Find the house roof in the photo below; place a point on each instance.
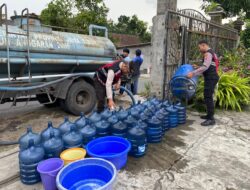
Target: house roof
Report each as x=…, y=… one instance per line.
x=121, y=40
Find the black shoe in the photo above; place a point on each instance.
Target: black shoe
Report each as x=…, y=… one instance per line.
x=208, y=122
x=204, y=117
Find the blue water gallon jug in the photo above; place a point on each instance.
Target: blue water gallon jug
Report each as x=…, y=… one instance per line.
x=113, y=119
x=53, y=146
x=173, y=116
x=130, y=121
x=161, y=118
x=155, y=101
x=166, y=104
x=119, y=129
x=65, y=126
x=106, y=114
x=181, y=86
x=159, y=106
x=138, y=139
x=24, y=140
x=154, y=130
x=148, y=113
x=152, y=109
x=81, y=121
x=72, y=139
x=103, y=128
x=146, y=103
x=140, y=107
x=182, y=115
x=143, y=125
x=122, y=114
x=28, y=161
x=45, y=134
x=95, y=117
x=144, y=117
x=88, y=134
x=166, y=119
x=134, y=112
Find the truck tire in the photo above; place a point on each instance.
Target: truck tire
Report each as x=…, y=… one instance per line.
x=43, y=99
x=81, y=97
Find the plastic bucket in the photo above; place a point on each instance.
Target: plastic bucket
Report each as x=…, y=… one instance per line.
x=48, y=170
x=90, y=173
x=72, y=154
x=111, y=148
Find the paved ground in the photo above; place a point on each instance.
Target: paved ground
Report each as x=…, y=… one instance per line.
x=196, y=158
x=190, y=156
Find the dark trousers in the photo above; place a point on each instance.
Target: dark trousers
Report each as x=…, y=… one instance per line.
x=124, y=85
x=100, y=91
x=134, y=85
x=209, y=87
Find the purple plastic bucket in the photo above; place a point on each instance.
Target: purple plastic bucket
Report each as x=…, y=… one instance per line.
x=48, y=170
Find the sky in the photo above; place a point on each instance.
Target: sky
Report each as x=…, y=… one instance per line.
x=144, y=9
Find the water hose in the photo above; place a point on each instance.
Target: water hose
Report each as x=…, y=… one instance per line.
x=130, y=94
x=6, y=143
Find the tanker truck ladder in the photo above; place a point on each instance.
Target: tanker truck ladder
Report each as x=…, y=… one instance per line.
x=27, y=34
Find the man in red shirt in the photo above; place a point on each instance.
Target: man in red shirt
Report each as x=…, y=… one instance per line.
x=105, y=77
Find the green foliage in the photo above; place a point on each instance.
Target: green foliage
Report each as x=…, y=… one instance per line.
x=231, y=58
x=147, y=91
x=79, y=14
x=237, y=60
x=131, y=25
x=245, y=36
x=233, y=91
x=58, y=13
x=232, y=7
x=210, y=7
x=76, y=14
x=199, y=98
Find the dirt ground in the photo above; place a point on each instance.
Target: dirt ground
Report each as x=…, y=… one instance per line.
x=189, y=157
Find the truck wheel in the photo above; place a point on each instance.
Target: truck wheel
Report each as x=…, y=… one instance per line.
x=43, y=99
x=81, y=97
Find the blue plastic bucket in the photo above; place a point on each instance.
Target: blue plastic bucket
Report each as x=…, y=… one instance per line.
x=88, y=174
x=181, y=86
x=111, y=148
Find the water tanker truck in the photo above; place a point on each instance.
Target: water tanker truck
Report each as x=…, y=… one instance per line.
x=54, y=67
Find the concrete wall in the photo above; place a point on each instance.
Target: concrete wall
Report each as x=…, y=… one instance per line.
x=164, y=43
x=146, y=53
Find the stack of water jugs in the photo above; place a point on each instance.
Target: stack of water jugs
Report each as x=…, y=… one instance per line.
x=141, y=124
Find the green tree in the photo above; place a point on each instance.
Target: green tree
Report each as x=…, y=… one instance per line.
x=131, y=25
x=76, y=14
x=79, y=14
x=58, y=13
x=231, y=7
x=245, y=36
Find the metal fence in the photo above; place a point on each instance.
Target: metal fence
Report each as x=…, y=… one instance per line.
x=185, y=28
x=197, y=27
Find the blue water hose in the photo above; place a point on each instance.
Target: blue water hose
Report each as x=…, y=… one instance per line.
x=130, y=94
